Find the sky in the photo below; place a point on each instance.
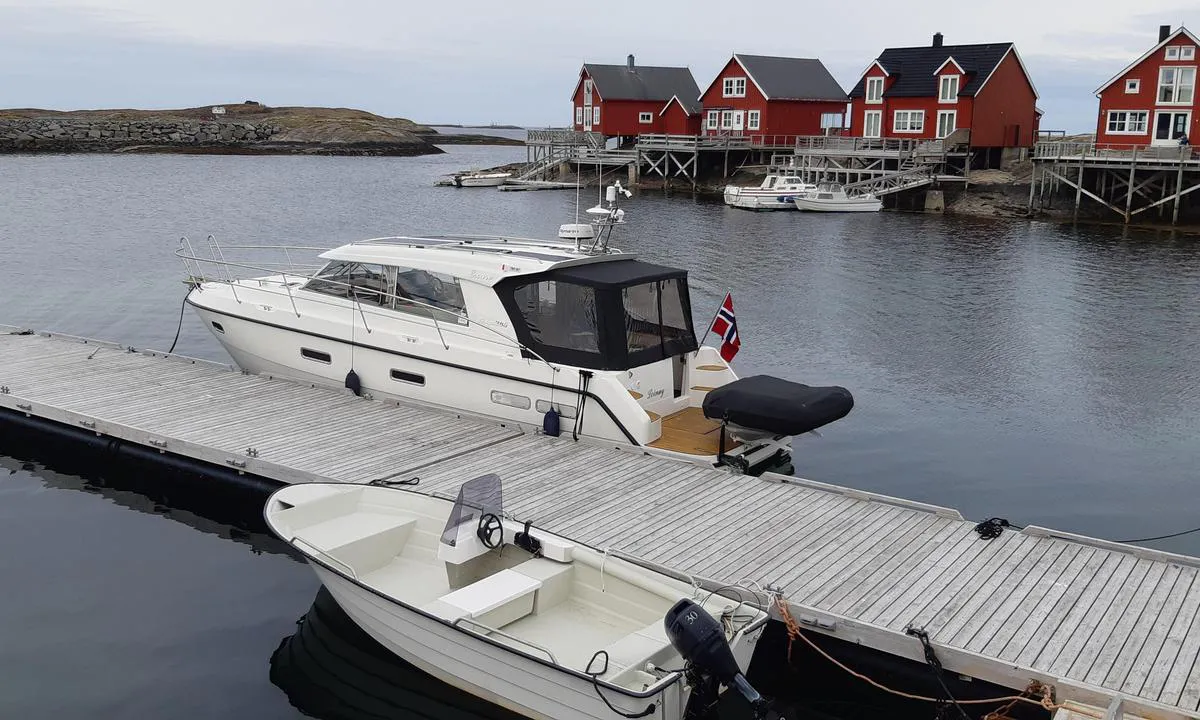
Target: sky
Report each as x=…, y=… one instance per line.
x=516, y=61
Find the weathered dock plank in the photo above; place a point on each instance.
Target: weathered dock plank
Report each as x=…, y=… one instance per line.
x=1099, y=620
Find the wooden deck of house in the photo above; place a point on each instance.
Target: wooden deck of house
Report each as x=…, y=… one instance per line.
x=1104, y=623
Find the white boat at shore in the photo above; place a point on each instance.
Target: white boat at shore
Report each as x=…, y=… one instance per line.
x=836, y=200
x=550, y=336
x=774, y=193
x=493, y=179
x=523, y=618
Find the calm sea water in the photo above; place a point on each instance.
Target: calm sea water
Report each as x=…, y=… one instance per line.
x=1038, y=372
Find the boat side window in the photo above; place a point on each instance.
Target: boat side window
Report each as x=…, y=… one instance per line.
x=653, y=314
x=560, y=314
x=333, y=279
x=824, y=196
x=430, y=294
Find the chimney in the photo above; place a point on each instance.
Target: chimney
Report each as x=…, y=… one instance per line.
x=937, y=39
x=1163, y=32
x=629, y=62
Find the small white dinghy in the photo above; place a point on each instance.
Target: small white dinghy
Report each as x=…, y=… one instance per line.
x=836, y=200
x=523, y=618
x=481, y=179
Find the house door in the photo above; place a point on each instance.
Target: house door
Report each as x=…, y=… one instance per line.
x=1170, y=125
x=587, y=117
x=739, y=121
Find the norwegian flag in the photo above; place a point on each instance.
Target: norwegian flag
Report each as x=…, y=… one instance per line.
x=725, y=325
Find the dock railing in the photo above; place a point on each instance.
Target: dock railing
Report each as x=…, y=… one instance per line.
x=839, y=144
x=1048, y=150
x=725, y=140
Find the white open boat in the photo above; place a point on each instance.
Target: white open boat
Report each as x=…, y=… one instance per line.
x=526, y=619
x=481, y=179
x=836, y=200
x=549, y=336
x=774, y=193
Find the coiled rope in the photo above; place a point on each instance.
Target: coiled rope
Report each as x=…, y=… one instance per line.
x=1035, y=693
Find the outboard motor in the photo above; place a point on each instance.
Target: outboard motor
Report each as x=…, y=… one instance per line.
x=701, y=642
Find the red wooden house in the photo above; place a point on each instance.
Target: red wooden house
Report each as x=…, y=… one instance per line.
x=929, y=92
x=681, y=116
x=629, y=100
x=1153, y=101
x=772, y=96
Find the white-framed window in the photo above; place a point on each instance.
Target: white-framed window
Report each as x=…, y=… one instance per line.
x=578, y=115
x=714, y=117
x=947, y=122
x=1176, y=85
x=645, y=118
x=875, y=90
x=948, y=89
x=832, y=120
x=587, y=92
x=726, y=119
x=872, y=122
x=596, y=115
x=587, y=115
x=1187, y=53
x=1133, y=87
x=1128, y=122
x=908, y=121
x=1173, y=52
x=733, y=87
x=753, y=119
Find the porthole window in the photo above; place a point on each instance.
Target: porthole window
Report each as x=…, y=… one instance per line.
x=317, y=355
x=511, y=399
x=408, y=377
x=217, y=326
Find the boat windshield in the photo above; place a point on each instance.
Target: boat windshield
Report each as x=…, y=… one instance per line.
x=480, y=496
x=612, y=315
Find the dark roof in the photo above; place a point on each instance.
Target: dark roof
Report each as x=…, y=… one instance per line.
x=782, y=78
x=913, y=68
x=616, y=273
x=619, y=82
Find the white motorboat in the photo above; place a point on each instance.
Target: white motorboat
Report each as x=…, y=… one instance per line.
x=481, y=179
x=545, y=335
x=523, y=618
x=774, y=193
x=836, y=200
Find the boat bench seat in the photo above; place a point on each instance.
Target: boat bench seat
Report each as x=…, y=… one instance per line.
x=630, y=654
x=555, y=579
x=364, y=541
x=494, y=601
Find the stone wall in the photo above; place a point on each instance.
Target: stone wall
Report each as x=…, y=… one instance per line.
x=71, y=135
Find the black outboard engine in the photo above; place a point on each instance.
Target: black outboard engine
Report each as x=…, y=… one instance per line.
x=701, y=642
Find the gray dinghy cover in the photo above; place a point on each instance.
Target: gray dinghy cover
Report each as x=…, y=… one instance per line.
x=777, y=406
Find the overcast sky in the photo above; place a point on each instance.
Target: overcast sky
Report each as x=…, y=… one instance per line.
x=516, y=61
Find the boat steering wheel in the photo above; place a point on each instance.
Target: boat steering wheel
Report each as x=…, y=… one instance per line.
x=490, y=525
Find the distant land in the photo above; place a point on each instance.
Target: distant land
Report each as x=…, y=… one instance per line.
x=238, y=128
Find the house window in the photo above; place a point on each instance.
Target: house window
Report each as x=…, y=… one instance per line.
x=947, y=121
x=1187, y=53
x=872, y=120
x=726, y=119
x=596, y=115
x=1176, y=85
x=875, y=90
x=1133, y=87
x=587, y=92
x=645, y=118
x=733, y=87
x=1128, y=122
x=752, y=120
x=713, y=119
x=587, y=115
x=831, y=120
x=1173, y=53
x=578, y=116
x=908, y=121
x=948, y=89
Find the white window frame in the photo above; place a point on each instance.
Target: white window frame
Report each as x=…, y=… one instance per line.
x=587, y=91
x=909, y=116
x=1124, y=119
x=595, y=114
x=726, y=119
x=1172, y=53
x=645, y=118
x=578, y=114
x=754, y=120
x=733, y=87
x=876, y=84
x=587, y=116
x=714, y=119
x=1175, y=86
x=945, y=82
x=878, y=116
x=1133, y=86
x=953, y=115
x=1187, y=53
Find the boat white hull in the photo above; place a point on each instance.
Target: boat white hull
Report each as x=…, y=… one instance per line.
x=839, y=206
x=491, y=672
x=756, y=200
x=482, y=180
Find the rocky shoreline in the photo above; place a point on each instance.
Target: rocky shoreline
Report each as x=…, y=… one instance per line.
x=245, y=129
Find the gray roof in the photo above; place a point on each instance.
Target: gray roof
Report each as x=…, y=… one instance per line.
x=619, y=82
x=913, y=68
x=783, y=78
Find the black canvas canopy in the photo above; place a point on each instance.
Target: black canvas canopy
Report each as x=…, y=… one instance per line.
x=609, y=315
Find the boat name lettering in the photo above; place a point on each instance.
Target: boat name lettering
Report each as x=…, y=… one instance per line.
x=657, y=392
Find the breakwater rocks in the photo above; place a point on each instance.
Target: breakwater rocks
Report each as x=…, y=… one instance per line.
x=245, y=129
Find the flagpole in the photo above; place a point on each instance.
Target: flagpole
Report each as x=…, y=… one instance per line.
x=714, y=318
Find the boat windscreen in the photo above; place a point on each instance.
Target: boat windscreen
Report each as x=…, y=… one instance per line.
x=608, y=316
x=478, y=497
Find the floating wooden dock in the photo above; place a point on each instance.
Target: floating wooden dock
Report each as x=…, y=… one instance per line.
x=1108, y=625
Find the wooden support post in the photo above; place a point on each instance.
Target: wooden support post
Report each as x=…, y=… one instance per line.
x=1032, y=184
x=1079, y=186
x=1129, y=190
x=1178, y=187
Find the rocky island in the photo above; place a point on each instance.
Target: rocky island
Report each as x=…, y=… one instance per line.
x=244, y=128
